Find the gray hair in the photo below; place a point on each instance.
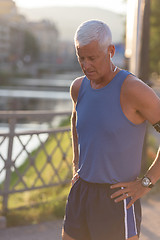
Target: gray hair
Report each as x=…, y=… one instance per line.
x=93, y=30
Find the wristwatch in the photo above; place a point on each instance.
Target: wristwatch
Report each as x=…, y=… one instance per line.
x=146, y=182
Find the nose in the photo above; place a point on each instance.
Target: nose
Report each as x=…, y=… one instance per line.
x=86, y=64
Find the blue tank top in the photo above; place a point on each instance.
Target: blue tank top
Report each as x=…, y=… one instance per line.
x=110, y=146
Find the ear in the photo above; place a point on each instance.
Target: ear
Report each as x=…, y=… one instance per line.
x=111, y=50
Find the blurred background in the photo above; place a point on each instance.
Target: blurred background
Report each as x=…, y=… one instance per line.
x=37, y=55
x=37, y=65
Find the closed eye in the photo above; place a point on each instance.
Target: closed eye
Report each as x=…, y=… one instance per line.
x=92, y=58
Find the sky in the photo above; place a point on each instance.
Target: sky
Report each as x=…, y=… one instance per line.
x=113, y=5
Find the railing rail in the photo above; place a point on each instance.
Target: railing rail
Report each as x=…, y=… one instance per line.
x=31, y=114
x=45, y=152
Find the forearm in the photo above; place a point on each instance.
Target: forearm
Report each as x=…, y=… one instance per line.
x=154, y=171
x=74, y=143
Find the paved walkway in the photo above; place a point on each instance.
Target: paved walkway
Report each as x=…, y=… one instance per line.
x=151, y=218
x=52, y=230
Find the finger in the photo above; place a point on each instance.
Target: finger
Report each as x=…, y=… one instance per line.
x=117, y=185
x=118, y=193
x=122, y=197
x=131, y=203
x=74, y=179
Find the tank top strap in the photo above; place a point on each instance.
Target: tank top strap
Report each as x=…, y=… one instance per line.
x=83, y=88
x=122, y=76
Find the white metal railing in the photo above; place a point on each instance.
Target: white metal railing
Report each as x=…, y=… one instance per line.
x=20, y=151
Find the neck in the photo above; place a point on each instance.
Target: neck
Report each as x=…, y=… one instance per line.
x=102, y=82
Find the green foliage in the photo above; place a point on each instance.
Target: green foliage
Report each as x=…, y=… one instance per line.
x=65, y=122
x=51, y=206
x=155, y=37
x=31, y=46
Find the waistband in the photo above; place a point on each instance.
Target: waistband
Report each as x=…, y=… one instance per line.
x=95, y=184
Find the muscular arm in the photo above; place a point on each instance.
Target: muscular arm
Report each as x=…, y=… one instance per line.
x=74, y=90
x=142, y=104
x=154, y=171
x=147, y=105
x=74, y=141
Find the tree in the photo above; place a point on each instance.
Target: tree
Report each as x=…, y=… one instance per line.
x=155, y=37
x=31, y=46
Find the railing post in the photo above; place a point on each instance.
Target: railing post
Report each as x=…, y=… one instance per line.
x=8, y=164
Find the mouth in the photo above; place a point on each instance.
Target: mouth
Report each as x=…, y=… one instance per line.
x=89, y=73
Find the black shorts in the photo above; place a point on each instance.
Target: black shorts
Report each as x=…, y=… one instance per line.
x=92, y=215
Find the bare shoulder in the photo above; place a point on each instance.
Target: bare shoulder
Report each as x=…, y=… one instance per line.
x=133, y=87
x=133, y=83
x=74, y=88
x=141, y=98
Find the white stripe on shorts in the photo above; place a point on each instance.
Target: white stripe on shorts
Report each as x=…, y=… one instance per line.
x=129, y=220
x=125, y=219
x=135, y=224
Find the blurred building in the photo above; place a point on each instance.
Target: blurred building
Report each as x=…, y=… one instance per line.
x=47, y=35
x=11, y=25
x=7, y=11
x=4, y=40
x=7, y=8
x=23, y=43
x=32, y=47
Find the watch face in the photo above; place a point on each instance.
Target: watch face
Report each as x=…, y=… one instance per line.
x=146, y=182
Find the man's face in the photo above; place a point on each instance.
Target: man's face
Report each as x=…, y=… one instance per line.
x=93, y=60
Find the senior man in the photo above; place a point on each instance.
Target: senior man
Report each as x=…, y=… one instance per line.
x=110, y=109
